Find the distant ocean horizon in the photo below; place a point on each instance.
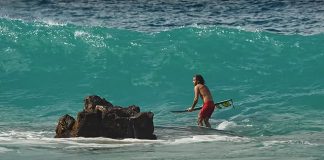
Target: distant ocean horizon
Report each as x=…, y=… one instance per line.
x=267, y=56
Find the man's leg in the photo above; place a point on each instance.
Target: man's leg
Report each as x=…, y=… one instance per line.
x=206, y=120
x=200, y=121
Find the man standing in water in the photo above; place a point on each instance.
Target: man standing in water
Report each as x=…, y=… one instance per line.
x=208, y=107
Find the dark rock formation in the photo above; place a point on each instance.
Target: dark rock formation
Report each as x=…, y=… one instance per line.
x=100, y=118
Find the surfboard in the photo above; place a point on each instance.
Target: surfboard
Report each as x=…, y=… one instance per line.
x=219, y=105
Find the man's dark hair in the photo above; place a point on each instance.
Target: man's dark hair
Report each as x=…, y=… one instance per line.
x=199, y=79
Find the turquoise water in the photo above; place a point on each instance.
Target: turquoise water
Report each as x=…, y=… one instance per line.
x=275, y=80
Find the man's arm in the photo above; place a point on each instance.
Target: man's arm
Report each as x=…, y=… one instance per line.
x=195, y=101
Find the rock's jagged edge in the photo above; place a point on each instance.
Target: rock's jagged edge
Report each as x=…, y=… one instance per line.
x=100, y=118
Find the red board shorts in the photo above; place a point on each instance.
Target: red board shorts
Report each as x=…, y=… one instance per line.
x=207, y=109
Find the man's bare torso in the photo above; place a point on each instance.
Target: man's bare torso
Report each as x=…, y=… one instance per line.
x=204, y=93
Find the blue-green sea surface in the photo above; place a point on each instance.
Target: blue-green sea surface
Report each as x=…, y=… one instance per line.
x=276, y=82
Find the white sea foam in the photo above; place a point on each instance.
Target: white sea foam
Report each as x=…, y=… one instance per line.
x=3, y=150
x=23, y=134
x=208, y=138
x=225, y=124
x=51, y=22
x=80, y=33
x=102, y=140
x=91, y=39
x=286, y=142
x=45, y=140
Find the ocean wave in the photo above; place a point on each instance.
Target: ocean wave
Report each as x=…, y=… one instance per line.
x=266, y=74
x=42, y=139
